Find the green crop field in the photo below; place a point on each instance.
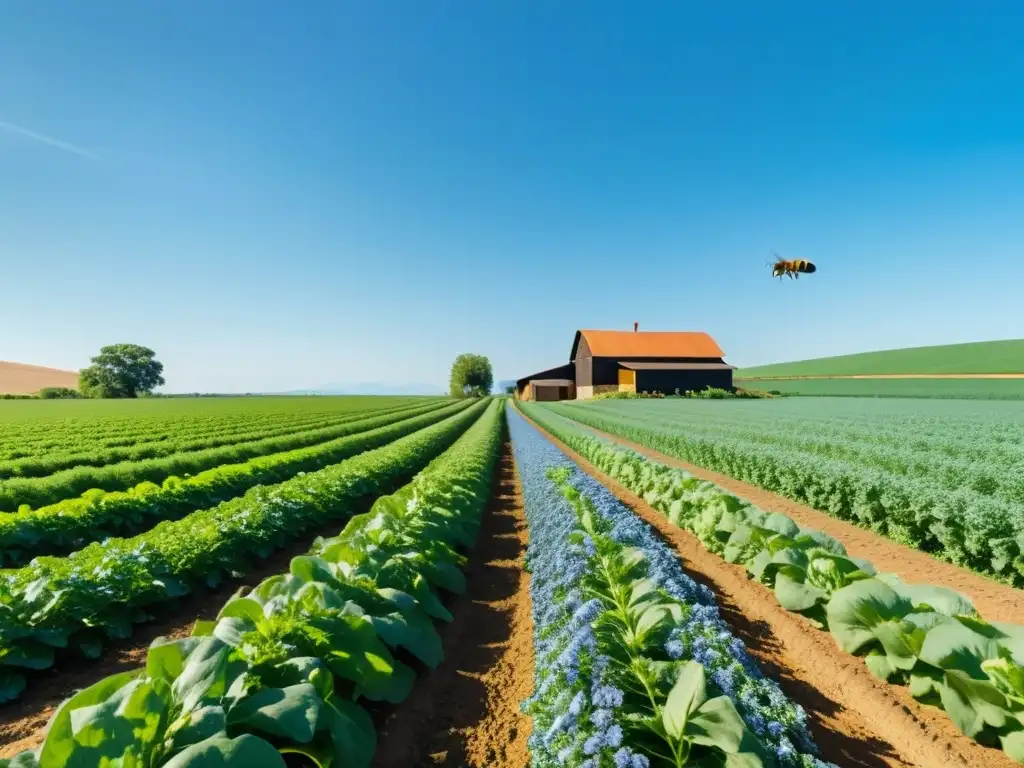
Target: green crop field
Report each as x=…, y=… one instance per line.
x=976, y=357
x=957, y=389
x=281, y=569
x=945, y=476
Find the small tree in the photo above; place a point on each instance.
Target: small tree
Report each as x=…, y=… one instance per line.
x=121, y=370
x=471, y=376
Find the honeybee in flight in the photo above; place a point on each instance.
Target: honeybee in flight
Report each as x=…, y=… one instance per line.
x=791, y=267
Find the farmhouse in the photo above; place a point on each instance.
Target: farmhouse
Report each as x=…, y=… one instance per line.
x=635, y=361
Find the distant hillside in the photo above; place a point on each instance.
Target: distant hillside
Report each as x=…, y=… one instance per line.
x=978, y=358
x=22, y=379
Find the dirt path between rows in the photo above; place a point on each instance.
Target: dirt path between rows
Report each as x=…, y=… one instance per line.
x=23, y=722
x=466, y=713
x=994, y=600
x=855, y=719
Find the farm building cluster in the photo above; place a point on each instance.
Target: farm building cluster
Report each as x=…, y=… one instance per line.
x=633, y=361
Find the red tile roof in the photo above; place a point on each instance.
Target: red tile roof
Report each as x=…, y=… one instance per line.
x=650, y=344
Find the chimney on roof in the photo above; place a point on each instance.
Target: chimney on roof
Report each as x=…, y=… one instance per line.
x=636, y=327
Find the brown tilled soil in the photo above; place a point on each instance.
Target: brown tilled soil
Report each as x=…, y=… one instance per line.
x=994, y=600
x=23, y=722
x=466, y=712
x=855, y=719
x=22, y=379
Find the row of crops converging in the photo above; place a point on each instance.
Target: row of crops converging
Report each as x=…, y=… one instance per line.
x=635, y=664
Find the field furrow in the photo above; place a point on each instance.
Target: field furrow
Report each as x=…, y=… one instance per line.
x=959, y=524
x=624, y=636
x=922, y=635
x=36, y=492
x=75, y=604
x=292, y=665
x=73, y=523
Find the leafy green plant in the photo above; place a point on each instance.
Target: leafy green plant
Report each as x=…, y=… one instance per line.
x=80, y=601
x=930, y=638
x=73, y=523
x=283, y=669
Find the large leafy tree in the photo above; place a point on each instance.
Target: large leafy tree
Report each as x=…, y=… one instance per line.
x=121, y=370
x=471, y=376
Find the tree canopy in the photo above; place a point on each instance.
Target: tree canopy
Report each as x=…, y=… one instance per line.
x=121, y=370
x=471, y=376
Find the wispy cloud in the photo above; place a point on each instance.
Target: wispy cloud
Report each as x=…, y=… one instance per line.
x=48, y=140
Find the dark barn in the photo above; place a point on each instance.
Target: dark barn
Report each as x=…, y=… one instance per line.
x=635, y=361
x=647, y=361
x=553, y=384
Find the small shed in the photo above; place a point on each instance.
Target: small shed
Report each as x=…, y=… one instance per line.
x=553, y=384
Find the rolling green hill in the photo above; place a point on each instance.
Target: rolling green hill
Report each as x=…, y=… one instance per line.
x=1005, y=356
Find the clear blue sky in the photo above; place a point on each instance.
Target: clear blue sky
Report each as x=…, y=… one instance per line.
x=277, y=195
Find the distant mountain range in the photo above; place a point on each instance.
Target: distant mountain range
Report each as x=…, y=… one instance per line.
x=371, y=388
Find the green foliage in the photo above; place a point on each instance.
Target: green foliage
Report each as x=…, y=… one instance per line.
x=670, y=714
x=942, y=477
x=120, y=371
x=1003, y=356
x=96, y=593
x=58, y=393
x=626, y=394
x=961, y=389
x=112, y=474
x=930, y=638
x=285, y=668
x=68, y=524
x=471, y=376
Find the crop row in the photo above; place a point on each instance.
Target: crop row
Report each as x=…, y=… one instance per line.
x=284, y=669
x=976, y=434
x=98, y=592
x=39, y=466
x=40, y=436
x=635, y=666
x=38, y=491
x=986, y=473
x=979, y=532
x=929, y=638
x=72, y=523
x=92, y=426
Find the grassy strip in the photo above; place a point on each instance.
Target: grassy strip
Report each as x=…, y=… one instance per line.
x=99, y=591
x=283, y=669
x=36, y=492
x=618, y=625
x=966, y=528
x=71, y=524
x=929, y=638
x=40, y=466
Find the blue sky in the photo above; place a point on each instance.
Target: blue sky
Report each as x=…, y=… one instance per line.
x=275, y=199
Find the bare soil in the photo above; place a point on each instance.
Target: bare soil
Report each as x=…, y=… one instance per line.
x=22, y=379
x=855, y=719
x=466, y=713
x=23, y=722
x=994, y=600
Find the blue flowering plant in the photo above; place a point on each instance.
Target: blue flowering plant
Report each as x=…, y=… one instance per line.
x=635, y=668
x=929, y=638
x=668, y=714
